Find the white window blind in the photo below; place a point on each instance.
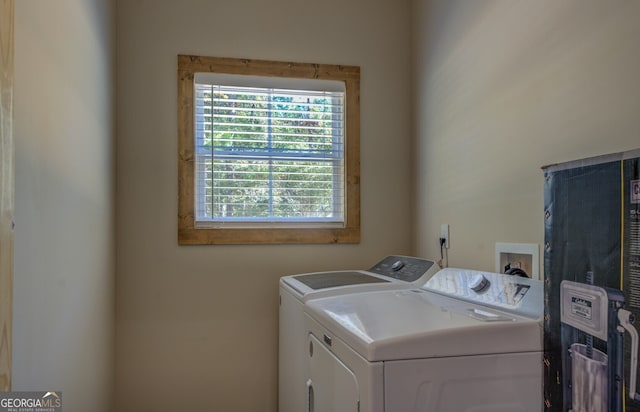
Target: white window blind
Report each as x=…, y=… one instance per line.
x=268, y=154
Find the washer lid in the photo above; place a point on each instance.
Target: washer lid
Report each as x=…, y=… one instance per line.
x=410, y=324
x=334, y=279
x=322, y=284
x=393, y=272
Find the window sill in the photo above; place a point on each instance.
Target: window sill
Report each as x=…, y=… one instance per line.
x=256, y=236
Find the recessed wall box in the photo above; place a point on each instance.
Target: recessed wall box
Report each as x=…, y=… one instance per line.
x=524, y=256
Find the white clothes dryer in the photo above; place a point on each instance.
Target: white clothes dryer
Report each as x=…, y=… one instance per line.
x=391, y=273
x=466, y=341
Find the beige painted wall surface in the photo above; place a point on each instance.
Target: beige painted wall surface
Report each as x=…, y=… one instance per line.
x=503, y=88
x=197, y=325
x=64, y=252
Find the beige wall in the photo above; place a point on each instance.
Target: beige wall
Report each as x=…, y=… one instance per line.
x=64, y=252
x=500, y=89
x=503, y=88
x=197, y=325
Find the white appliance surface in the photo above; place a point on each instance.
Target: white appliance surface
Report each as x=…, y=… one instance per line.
x=391, y=273
x=365, y=282
x=414, y=323
x=464, y=341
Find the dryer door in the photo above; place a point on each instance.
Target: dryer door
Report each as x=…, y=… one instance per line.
x=332, y=386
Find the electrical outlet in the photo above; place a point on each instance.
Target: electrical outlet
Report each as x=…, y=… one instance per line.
x=444, y=234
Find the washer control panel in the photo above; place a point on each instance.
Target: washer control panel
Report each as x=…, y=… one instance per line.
x=479, y=282
x=405, y=268
x=516, y=294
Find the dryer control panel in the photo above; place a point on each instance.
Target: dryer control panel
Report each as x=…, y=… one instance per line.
x=405, y=268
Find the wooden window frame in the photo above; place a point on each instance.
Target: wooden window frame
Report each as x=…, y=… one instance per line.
x=188, y=233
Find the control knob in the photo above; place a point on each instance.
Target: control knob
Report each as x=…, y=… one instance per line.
x=479, y=283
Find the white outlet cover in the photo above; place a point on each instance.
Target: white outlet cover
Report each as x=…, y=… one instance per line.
x=444, y=233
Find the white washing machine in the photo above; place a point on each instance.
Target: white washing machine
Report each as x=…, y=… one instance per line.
x=466, y=341
x=391, y=273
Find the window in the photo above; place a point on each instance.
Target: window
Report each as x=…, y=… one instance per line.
x=268, y=152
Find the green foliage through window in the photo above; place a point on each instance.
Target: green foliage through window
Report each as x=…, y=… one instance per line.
x=266, y=154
